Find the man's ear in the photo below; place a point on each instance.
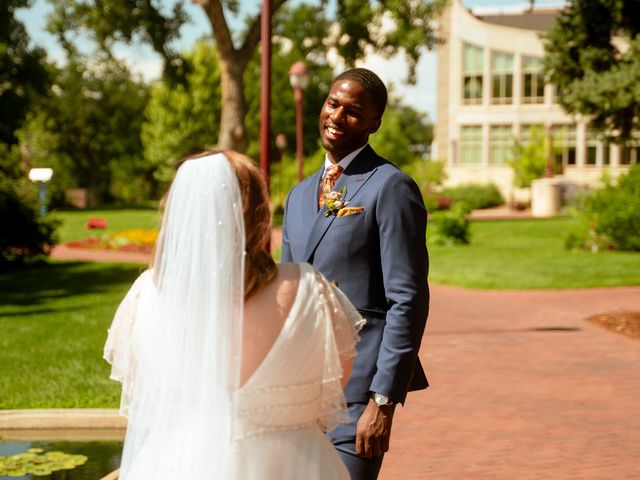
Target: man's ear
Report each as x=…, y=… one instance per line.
x=375, y=125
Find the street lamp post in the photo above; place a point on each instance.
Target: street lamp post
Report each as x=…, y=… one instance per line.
x=265, y=96
x=299, y=80
x=281, y=144
x=265, y=91
x=41, y=176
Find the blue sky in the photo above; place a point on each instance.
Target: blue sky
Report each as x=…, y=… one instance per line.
x=144, y=61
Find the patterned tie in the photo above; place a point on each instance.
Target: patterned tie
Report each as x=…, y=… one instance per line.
x=331, y=174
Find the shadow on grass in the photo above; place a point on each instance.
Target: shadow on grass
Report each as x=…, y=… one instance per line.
x=42, y=282
x=39, y=311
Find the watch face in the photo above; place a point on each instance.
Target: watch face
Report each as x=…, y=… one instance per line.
x=380, y=399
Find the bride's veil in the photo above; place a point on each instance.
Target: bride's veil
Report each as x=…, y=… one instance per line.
x=187, y=336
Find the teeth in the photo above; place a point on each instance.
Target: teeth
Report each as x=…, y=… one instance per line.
x=333, y=131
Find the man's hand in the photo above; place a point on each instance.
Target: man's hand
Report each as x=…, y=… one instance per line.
x=374, y=429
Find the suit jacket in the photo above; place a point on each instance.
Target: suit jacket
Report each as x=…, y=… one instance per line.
x=379, y=259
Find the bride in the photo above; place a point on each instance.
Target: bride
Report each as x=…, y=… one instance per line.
x=231, y=366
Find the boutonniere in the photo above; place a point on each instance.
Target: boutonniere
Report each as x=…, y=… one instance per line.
x=334, y=201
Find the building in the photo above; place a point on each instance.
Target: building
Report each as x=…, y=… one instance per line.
x=491, y=91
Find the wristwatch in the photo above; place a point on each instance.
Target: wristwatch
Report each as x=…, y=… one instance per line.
x=381, y=399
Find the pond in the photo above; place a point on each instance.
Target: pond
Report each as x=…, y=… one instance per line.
x=101, y=449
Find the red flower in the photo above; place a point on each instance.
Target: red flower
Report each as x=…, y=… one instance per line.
x=96, y=223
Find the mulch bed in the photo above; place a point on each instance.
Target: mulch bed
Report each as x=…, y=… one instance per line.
x=627, y=323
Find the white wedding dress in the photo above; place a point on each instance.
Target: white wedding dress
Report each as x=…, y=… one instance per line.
x=285, y=406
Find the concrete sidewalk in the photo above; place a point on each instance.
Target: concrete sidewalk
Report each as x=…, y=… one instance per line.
x=522, y=388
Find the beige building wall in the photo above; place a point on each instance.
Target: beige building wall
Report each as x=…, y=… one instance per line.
x=459, y=26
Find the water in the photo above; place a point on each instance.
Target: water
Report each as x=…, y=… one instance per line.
x=103, y=457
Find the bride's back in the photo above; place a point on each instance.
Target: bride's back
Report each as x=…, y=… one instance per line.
x=264, y=315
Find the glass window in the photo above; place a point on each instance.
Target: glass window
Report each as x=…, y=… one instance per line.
x=527, y=131
x=472, y=69
x=532, y=80
x=501, y=78
x=471, y=145
x=500, y=144
x=592, y=147
x=564, y=144
x=630, y=153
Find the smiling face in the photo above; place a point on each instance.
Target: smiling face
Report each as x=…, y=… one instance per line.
x=347, y=118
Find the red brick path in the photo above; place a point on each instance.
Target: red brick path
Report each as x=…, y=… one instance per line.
x=522, y=388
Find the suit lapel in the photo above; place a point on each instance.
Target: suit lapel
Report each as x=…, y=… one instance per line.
x=310, y=196
x=353, y=179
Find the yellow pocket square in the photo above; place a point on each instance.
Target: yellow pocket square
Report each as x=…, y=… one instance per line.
x=343, y=212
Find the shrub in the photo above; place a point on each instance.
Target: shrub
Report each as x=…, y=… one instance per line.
x=610, y=217
x=24, y=235
x=529, y=160
x=284, y=176
x=453, y=226
x=474, y=195
x=429, y=175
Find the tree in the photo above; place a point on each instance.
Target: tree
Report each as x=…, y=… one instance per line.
x=291, y=27
x=360, y=25
x=403, y=131
x=23, y=76
x=530, y=159
x=593, y=57
x=182, y=117
x=23, y=80
x=89, y=130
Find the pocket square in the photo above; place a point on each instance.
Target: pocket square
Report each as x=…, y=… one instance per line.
x=343, y=212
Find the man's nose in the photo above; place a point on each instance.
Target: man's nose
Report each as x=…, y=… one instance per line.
x=337, y=116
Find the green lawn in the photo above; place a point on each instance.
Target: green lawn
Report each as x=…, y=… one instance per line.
x=54, y=316
x=53, y=322
x=74, y=222
x=528, y=254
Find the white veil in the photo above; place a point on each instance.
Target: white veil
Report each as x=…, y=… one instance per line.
x=187, y=336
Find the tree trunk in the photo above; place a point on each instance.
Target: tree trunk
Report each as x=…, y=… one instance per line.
x=232, y=130
x=233, y=63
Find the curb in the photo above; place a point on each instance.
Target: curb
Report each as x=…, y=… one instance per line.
x=63, y=419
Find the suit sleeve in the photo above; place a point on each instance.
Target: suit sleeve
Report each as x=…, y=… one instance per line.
x=286, y=255
x=402, y=223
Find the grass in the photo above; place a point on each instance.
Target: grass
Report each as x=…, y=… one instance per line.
x=528, y=254
x=54, y=316
x=54, y=319
x=74, y=222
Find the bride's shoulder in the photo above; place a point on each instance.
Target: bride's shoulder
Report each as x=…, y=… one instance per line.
x=143, y=278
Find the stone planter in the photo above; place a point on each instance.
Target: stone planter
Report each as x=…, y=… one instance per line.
x=546, y=197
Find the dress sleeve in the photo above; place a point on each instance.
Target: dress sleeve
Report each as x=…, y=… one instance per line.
x=342, y=322
x=117, y=349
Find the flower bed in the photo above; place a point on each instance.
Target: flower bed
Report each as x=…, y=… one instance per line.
x=139, y=241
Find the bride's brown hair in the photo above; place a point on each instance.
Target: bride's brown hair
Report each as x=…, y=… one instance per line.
x=259, y=266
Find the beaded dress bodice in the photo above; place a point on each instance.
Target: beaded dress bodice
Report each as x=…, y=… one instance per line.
x=298, y=383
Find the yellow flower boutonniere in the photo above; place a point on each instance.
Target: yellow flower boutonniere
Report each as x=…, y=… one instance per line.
x=334, y=201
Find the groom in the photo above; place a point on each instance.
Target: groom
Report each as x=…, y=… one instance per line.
x=362, y=222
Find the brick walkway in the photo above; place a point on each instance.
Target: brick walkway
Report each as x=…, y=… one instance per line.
x=522, y=388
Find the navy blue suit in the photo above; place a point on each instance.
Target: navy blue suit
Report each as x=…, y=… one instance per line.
x=379, y=260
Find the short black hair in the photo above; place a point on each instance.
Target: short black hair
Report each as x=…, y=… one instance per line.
x=371, y=83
